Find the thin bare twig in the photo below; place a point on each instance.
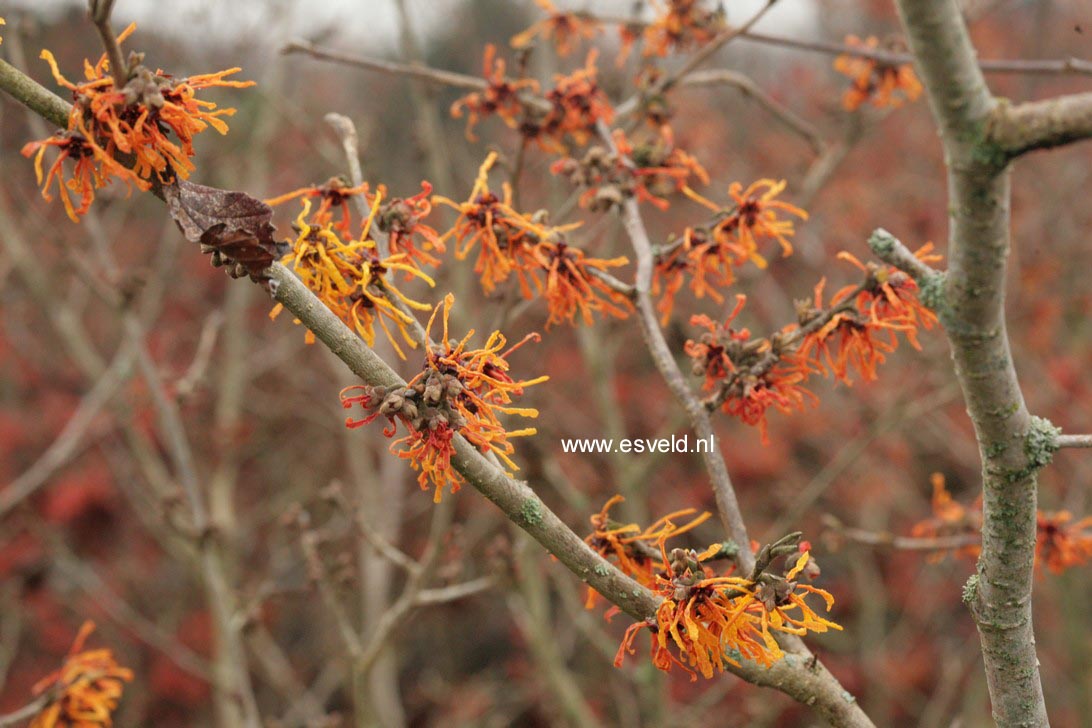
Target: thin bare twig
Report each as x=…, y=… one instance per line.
x=206, y=343
x=316, y=570
x=423, y=73
x=445, y=594
x=694, y=61
x=28, y=711
x=648, y=319
x=1075, y=441
x=748, y=87
x=99, y=12
x=885, y=539
x=68, y=441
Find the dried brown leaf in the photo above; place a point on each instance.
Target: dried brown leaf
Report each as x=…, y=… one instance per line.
x=233, y=226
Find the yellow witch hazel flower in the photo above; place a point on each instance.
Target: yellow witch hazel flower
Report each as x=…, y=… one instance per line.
x=349, y=277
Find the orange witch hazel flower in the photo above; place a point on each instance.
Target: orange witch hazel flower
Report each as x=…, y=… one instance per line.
x=862, y=321
x=459, y=391
x=401, y=218
x=135, y=119
x=574, y=286
x=1061, y=544
x=335, y=192
x=754, y=216
x=634, y=549
x=681, y=25
x=709, y=254
x=539, y=255
x=950, y=518
x=350, y=277
x=85, y=691
x=574, y=107
x=879, y=83
x=707, y=620
x=505, y=237
x=500, y=95
x=748, y=376
x=565, y=29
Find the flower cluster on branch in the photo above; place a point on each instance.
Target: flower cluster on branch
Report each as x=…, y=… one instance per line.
x=539, y=255
x=708, y=254
x=875, y=82
x=746, y=376
x=86, y=689
x=567, y=112
x=1060, y=541
x=140, y=132
x=458, y=390
x=706, y=619
x=649, y=171
x=348, y=274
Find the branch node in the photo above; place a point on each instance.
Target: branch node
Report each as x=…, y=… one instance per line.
x=1041, y=442
x=970, y=590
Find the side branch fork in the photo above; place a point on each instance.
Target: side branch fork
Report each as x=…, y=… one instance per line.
x=1017, y=129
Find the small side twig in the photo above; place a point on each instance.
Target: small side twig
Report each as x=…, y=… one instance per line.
x=1075, y=441
x=748, y=87
x=206, y=343
x=68, y=441
x=892, y=251
x=28, y=711
x=1041, y=124
x=423, y=73
x=317, y=572
x=885, y=539
x=445, y=594
x=99, y=12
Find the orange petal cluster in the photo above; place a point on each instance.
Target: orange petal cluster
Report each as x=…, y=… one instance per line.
x=708, y=620
x=458, y=391
x=85, y=691
x=632, y=548
x=539, y=255
x=875, y=82
x=707, y=255
x=950, y=518
x=150, y=121
x=865, y=321
x=748, y=376
x=679, y=25
x=564, y=29
x=500, y=97
x=1060, y=542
